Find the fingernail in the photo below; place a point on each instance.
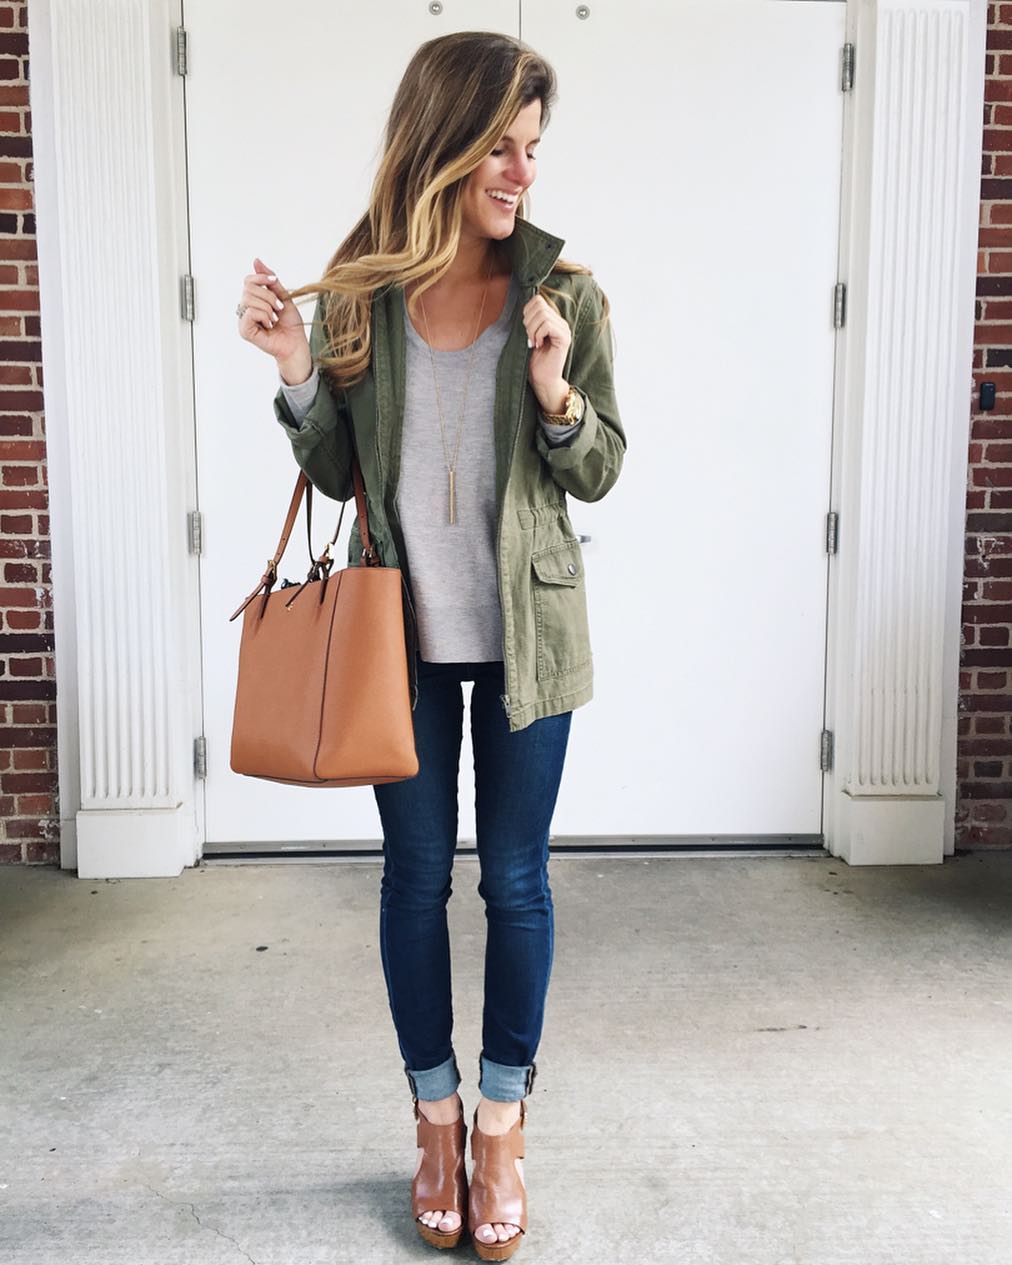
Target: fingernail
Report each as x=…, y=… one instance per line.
x=271, y=277
x=529, y=343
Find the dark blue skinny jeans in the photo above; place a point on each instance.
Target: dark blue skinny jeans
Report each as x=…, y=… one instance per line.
x=517, y=779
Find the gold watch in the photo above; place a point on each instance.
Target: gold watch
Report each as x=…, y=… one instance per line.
x=573, y=411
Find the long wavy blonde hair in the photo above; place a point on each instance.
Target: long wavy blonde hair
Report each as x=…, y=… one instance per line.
x=456, y=100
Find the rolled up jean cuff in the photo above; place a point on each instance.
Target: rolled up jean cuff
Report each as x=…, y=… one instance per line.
x=502, y=1083
x=434, y=1083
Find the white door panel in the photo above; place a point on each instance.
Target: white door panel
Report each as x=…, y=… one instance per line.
x=284, y=135
x=693, y=162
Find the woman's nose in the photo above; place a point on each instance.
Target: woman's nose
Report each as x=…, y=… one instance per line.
x=521, y=171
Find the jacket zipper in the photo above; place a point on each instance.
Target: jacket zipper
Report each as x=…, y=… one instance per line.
x=505, y=698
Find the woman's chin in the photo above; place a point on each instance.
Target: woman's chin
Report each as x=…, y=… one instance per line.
x=497, y=225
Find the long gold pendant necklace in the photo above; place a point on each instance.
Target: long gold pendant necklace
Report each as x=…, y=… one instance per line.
x=451, y=466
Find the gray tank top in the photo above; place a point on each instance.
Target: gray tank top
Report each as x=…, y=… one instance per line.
x=453, y=572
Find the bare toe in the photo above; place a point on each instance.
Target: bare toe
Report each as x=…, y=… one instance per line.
x=438, y=1219
x=497, y=1232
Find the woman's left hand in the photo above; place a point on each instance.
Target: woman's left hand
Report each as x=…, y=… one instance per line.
x=550, y=335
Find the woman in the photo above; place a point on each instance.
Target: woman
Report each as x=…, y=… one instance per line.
x=450, y=338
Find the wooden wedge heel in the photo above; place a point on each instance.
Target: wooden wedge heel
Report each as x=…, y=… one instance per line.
x=441, y=1181
x=496, y=1191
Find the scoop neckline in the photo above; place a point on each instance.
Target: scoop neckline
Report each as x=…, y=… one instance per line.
x=498, y=323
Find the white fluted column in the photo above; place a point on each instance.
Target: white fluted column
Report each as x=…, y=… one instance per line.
x=112, y=224
x=912, y=151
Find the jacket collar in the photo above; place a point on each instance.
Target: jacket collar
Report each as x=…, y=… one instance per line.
x=532, y=251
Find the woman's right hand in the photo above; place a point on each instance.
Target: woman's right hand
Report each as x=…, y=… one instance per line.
x=272, y=322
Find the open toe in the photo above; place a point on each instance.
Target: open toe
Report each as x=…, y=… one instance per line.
x=496, y=1194
x=440, y=1183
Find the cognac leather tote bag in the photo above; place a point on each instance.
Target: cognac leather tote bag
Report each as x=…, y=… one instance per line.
x=326, y=674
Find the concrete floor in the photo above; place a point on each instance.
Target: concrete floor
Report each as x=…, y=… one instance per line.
x=745, y=1062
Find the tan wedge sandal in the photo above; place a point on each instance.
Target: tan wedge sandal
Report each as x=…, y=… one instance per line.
x=441, y=1181
x=496, y=1191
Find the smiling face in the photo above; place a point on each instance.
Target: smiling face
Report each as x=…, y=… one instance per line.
x=508, y=170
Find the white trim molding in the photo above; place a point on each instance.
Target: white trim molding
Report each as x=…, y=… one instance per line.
x=111, y=201
x=912, y=151
x=107, y=109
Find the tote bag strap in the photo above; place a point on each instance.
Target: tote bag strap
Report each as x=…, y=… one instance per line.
x=302, y=484
x=369, y=555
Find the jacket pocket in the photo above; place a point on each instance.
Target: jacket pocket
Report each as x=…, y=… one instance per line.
x=562, y=633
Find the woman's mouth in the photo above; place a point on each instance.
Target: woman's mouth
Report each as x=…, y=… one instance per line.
x=503, y=199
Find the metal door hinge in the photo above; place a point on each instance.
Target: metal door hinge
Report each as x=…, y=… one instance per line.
x=826, y=750
x=847, y=69
x=182, y=65
x=195, y=530
x=200, y=757
x=832, y=524
x=187, y=297
x=839, y=305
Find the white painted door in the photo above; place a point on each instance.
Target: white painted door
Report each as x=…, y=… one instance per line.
x=693, y=162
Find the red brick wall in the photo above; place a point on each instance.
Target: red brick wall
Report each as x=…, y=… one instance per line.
x=29, y=823
x=29, y=815
x=984, y=768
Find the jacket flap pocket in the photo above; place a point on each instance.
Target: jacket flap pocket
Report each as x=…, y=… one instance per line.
x=559, y=564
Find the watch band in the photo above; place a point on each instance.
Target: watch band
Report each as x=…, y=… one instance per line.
x=572, y=414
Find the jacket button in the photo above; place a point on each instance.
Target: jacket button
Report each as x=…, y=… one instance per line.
x=571, y=568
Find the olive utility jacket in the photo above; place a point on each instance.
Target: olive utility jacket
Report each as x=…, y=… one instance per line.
x=548, y=665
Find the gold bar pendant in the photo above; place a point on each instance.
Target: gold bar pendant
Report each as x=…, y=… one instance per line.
x=453, y=496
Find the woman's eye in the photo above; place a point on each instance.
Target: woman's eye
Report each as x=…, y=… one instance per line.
x=497, y=152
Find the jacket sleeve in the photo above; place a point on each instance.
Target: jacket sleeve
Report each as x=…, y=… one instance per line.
x=321, y=436
x=588, y=466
